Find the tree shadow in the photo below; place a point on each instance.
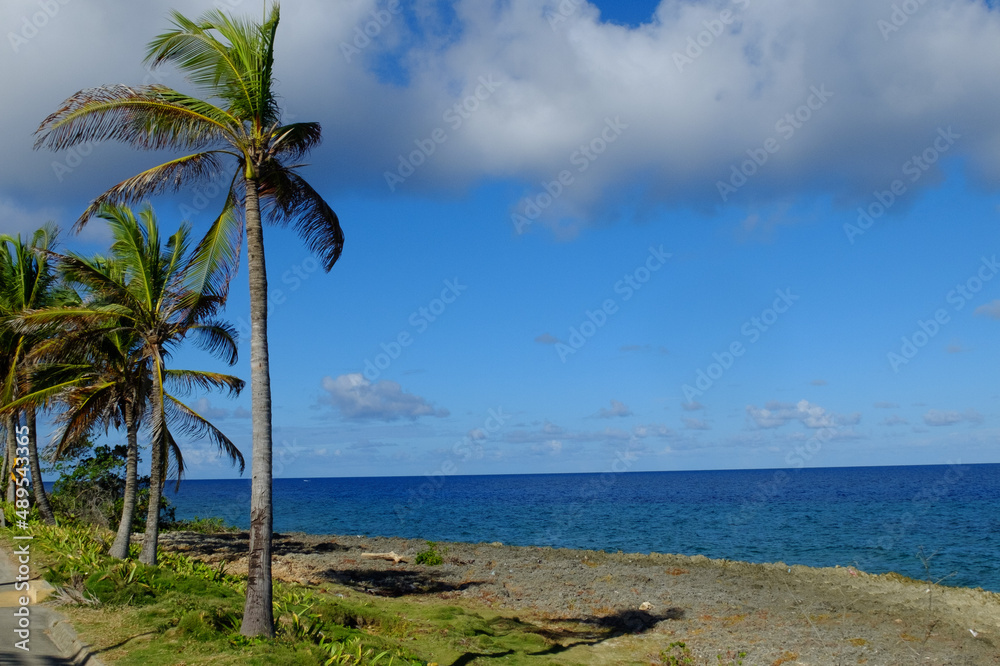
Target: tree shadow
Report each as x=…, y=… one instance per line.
x=235, y=544
x=394, y=582
x=590, y=630
x=605, y=627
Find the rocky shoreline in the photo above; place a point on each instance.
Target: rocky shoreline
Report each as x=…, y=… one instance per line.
x=775, y=613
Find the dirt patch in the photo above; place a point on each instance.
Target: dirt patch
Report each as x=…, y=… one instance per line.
x=777, y=614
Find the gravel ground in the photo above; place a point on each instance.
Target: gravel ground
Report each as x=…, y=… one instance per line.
x=775, y=613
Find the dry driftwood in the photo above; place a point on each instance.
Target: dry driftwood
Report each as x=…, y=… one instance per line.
x=391, y=555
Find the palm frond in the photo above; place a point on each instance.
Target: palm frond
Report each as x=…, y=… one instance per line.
x=189, y=380
x=292, y=200
x=167, y=177
x=147, y=117
x=194, y=424
x=238, y=70
x=295, y=140
x=216, y=259
x=218, y=338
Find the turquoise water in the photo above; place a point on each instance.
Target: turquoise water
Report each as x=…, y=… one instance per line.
x=874, y=518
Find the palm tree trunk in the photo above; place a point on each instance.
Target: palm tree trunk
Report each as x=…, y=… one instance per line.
x=41, y=497
x=119, y=549
x=3, y=475
x=158, y=447
x=258, y=616
x=9, y=458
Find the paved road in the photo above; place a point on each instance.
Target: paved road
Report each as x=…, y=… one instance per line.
x=41, y=650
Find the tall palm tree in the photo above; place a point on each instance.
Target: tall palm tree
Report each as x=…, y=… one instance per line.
x=156, y=296
x=230, y=59
x=27, y=282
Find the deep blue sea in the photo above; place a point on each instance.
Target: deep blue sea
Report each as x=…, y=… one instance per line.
x=874, y=518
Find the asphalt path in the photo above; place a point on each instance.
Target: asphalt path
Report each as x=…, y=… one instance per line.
x=33, y=621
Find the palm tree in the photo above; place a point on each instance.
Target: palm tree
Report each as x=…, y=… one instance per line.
x=152, y=298
x=27, y=282
x=100, y=380
x=231, y=59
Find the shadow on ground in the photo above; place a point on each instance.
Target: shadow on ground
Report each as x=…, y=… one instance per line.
x=570, y=632
x=394, y=582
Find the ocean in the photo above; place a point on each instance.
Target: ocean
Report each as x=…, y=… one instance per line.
x=938, y=522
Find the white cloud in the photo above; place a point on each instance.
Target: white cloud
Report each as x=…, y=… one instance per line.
x=204, y=407
x=618, y=409
x=991, y=310
x=692, y=406
x=554, y=90
x=547, y=339
x=937, y=417
x=777, y=414
x=695, y=424
x=894, y=420
x=358, y=399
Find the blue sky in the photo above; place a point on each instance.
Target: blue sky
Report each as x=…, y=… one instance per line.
x=519, y=243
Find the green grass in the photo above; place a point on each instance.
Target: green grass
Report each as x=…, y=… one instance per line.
x=188, y=612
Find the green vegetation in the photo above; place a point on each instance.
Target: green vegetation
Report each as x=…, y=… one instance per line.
x=152, y=615
x=91, y=489
x=187, y=605
x=430, y=557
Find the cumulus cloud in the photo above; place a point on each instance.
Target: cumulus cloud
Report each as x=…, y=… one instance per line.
x=938, y=417
x=643, y=349
x=653, y=430
x=367, y=445
x=776, y=414
x=358, y=399
x=546, y=339
x=991, y=310
x=618, y=409
x=544, y=93
x=695, y=424
x=692, y=406
x=551, y=447
x=204, y=407
x=894, y=420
